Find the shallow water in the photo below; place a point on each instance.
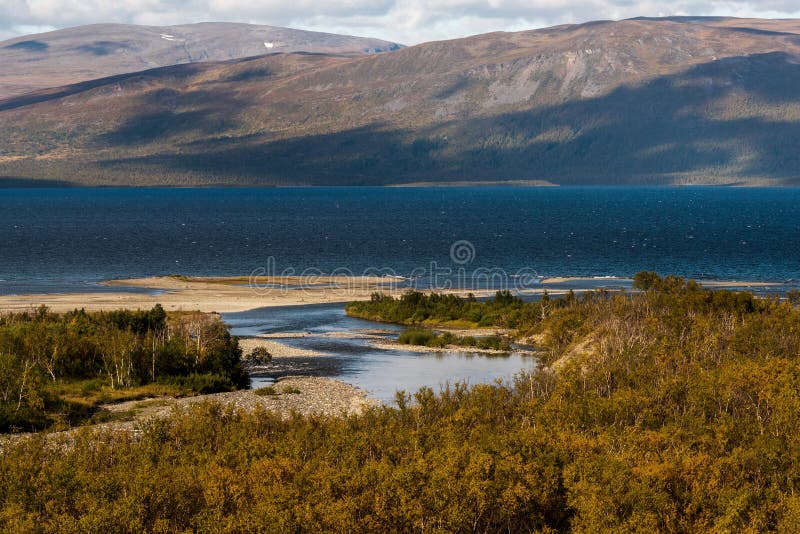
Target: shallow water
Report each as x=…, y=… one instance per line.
x=379, y=372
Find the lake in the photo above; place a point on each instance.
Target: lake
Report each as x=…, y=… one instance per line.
x=69, y=239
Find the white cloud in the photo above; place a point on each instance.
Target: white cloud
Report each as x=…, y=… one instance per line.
x=407, y=21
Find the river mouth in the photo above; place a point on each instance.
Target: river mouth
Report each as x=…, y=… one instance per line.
x=347, y=352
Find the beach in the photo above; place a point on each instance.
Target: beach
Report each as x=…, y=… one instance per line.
x=242, y=293
x=211, y=295
x=220, y=294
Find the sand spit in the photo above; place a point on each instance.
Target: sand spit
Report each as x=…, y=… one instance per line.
x=721, y=284
x=221, y=295
x=285, y=335
x=474, y=332
x=241, y=293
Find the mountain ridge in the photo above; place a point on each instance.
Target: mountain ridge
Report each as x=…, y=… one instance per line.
x=82, y=53
x=631, y=102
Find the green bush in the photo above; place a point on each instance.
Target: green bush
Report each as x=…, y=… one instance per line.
x=415, y=308
x=417, y=337
x=428, y=338
x=201, y=383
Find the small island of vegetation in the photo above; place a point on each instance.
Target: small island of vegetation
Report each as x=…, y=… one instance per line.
x=429, y=338
x=415, y=308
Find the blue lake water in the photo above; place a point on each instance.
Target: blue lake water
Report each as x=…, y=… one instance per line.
x=68, y=239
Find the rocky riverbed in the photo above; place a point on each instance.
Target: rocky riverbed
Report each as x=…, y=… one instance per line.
x=303, y=395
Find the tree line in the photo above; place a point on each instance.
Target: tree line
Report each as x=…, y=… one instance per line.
x=41, y=352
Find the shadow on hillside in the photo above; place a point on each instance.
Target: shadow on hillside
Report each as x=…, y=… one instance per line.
x=168, y=112
x=46, y=95
x=104, y=48
x=362, y=156
x=723, y=118
x=671, y=125
x=29, y=46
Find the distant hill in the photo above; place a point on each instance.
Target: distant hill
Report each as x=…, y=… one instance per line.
x=645, y=101
x=99, y=50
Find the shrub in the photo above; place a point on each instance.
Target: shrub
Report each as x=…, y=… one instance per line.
x=416, y=337
x=258, y=356
x=201, y=383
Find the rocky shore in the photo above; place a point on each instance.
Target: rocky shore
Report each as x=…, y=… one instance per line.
x=297, y=394
x=302, y=395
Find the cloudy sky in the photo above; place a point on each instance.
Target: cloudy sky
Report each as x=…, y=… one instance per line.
x=405, y=21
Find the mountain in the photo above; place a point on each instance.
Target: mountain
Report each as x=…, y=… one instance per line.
x=643, y=101
x=88, y=52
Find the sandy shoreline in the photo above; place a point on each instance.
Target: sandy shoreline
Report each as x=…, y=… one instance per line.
x=221, y=295
x=241, y=293
x=282, y=350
